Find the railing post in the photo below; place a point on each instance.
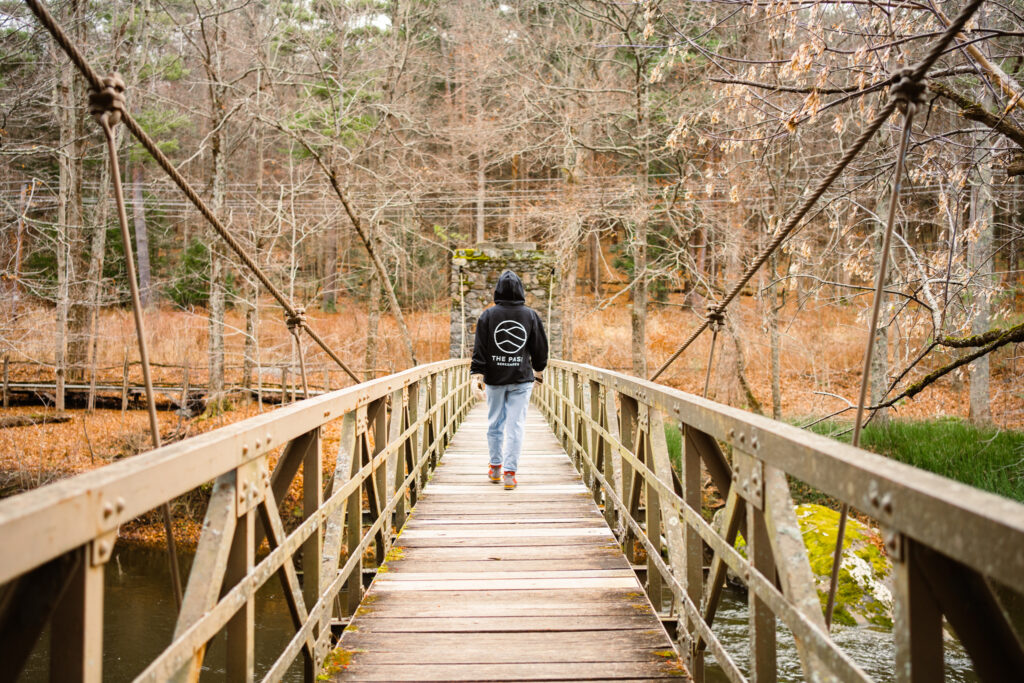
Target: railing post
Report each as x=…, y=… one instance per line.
x=689, y=466
x=917, y=623
x=598, y=448
x=672, y=529
x=312, y=548
x=377, y=483
x=652, y=504
x=762, y=620
x=76, y=628
x=399, y=398
x=407, y=454
x=628, y=414
x=579, y=431
x=241, y=629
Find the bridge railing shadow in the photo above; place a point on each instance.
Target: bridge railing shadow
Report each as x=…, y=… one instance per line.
x=56, y=540
x=958, y=552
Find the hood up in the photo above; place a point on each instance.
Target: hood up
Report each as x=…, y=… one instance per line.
x=509, y=289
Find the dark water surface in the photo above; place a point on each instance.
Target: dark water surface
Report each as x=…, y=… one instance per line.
x=140, y=613
x=871, y=647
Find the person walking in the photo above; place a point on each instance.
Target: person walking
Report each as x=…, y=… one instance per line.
x=510, y=346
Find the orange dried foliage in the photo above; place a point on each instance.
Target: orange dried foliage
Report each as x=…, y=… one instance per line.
x=821, y=352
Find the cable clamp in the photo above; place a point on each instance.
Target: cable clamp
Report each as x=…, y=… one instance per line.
x=296, y=320
x=908, y=91
x=715, y=318
x=110, y=101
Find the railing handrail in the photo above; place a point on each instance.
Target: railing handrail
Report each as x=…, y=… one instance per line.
x=48, y=521
x=976, y=516
x=951, y=545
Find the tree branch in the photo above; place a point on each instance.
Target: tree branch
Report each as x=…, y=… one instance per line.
x=969, y=109
x=988, y=342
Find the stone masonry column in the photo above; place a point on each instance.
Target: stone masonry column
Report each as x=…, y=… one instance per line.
x=475, y=273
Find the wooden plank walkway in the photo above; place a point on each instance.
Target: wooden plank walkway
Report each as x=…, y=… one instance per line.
x=523, y=585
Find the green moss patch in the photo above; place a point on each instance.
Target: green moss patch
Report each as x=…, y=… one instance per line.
x=862, y=595
x=336, y=661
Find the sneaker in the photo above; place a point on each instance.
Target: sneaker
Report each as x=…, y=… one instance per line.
x=510, y=480
x=494, y=473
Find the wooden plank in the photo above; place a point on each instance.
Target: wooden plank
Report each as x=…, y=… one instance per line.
x=532, y=532
x=491, y=584
x=407, y=575
x=622, y=671
x=506, y=584
x=504, y=623
x=469, y=522
x=484, y=565
x=553, y=555
x=451, y=648
x=546, y=541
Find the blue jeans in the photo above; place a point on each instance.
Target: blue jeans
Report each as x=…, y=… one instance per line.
x=506, y=419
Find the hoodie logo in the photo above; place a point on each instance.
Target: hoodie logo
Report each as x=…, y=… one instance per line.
x=509, y=336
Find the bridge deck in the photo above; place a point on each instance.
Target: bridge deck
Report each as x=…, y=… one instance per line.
x=488, y=584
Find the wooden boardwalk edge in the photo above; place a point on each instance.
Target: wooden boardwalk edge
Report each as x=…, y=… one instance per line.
x=485, y=584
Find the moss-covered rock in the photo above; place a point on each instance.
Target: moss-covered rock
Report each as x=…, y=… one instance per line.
x=863, y=595
x=865, y=575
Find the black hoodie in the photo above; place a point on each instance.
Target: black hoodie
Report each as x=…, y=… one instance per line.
x=510, y=340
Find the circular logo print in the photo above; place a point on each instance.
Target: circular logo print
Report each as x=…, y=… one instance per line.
x=509, y=336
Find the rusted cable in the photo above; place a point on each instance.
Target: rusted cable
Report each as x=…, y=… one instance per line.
x=106, y=105
x=911, y=75
x=908, y=93
x=97, y=84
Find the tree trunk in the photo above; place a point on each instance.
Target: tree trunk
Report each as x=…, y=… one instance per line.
x=218, y=267
x=772, y=307
x=638, y=314
x=252, y=328
x=330, y=298
x=141, y=236
x=570, y=274
x=97, y=250
x=372, y=326
x=481, y=194
x=76, y=303
x=68, y=106
x=981, y=264
x=218, y=307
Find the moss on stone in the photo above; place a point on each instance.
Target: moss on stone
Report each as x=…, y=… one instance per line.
x=862, y=595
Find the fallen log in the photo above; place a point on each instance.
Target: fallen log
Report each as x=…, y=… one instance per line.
x=33, y=419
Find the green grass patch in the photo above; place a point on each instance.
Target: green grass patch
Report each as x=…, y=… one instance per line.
x=674, y=439
x=987, y=458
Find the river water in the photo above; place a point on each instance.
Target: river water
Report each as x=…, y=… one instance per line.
x=140, y=615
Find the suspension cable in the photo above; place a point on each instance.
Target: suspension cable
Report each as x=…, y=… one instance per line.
x=908, y=93
x=97, y=84
x=911, y=75
x=106, y=106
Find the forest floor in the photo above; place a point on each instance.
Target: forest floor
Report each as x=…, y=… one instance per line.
x=821, y=356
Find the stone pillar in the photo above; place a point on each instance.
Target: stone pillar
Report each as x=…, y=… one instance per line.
x=475, y=272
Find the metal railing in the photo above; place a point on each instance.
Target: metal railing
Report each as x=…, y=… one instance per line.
x=57, y=539
x=958, y=552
